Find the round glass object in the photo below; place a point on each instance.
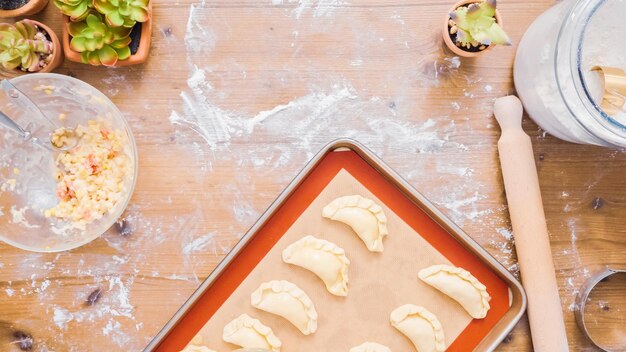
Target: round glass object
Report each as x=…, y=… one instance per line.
x=554, y=70
x=28, y=171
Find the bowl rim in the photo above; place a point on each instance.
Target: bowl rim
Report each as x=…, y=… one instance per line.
x=135, y=155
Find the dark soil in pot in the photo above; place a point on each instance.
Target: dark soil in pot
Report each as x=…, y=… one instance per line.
x=472, y=49
x=135, y=38
x=12, y=4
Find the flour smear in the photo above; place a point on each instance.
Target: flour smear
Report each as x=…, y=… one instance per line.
x=277, y=141
x=318, y=8
x=307, y=122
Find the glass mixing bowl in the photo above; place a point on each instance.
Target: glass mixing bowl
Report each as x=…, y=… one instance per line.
x=27, y=171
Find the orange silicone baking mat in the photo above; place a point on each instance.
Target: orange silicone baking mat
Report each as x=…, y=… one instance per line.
x=379, y=282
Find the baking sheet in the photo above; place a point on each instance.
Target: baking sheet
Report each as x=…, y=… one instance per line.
x=374, y=293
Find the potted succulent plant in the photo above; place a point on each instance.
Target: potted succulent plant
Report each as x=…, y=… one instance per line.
x=106, y=32
x=16, y=8
x=473, y=27
x=76, y=10
x=28, y=46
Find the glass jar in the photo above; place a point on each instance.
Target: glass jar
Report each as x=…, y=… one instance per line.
x=553, y=70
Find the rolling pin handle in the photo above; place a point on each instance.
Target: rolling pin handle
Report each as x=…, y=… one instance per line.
x=508, y=111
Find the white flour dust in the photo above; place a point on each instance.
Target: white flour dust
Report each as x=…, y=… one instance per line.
x=112, y=312
x=577, y=273
x=199, y=244
x=199, y=39
x=318, y=8
x=217, y=126
x=323, y=114
x=332, y=107
x=114, y=81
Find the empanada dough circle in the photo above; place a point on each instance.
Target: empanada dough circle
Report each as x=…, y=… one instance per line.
x=287, y=300
x=247, y=332
x=363, y=215
x=420, y=326
x=325, y=259
x=370, y=347
x=460, y=285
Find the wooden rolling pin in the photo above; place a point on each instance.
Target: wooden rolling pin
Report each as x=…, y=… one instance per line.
x=532, y=243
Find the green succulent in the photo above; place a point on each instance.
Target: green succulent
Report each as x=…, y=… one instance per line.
x=98, y=43
x=76, y=9
x=475, y=25
x=22, y=46
x=124, y=13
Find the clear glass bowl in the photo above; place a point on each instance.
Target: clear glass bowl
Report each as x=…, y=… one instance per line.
x=31, y=168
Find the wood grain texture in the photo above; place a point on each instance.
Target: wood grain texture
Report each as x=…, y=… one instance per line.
x=184, y=190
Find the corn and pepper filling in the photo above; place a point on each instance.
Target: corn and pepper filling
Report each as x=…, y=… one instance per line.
x=91, y=175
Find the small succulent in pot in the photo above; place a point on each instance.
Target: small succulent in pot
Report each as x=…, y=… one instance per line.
x=17, y=8
x=77, y=10
x=97, y=43
x=28, y=46
x=473, y=27
x=113, y=33
x=124, y=13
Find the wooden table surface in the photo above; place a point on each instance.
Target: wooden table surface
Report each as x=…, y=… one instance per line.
x=237, y=96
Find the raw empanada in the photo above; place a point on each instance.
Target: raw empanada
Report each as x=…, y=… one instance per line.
x=365, y=217
x=370, y=347
x=420, y=326
x=287, y=300
x=325, y=259
x=459, y=285
x=248, y=332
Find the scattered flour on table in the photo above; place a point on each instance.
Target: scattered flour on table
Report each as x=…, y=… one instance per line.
x=298, y=128
x=112, y=313
x=218, y=126
x=114, y=82
x=199, y=244
x=323, y=114
x=318, y=8
x=199, y=38
x=115, y=302
x=574, y=277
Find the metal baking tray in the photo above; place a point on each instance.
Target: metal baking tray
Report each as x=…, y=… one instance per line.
x=192, y=316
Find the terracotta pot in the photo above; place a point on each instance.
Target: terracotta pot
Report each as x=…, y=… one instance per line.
x=138, y=58
x=57, y=53
x=446, y=34
x=31, y=8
